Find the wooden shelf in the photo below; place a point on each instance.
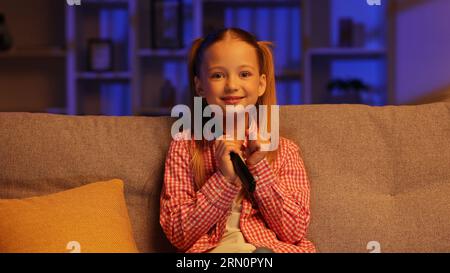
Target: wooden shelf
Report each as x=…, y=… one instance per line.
x=88, y=75
x=155, y=111
x=34, y=53
x=163, y=53
x=290, y=75
x=255, y=3
x=348, y=53
x=57, y=110
x=105, y=2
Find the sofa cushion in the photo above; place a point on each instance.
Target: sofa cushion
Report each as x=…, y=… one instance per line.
x=91, y=218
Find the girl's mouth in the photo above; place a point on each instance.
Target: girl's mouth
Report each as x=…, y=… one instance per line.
x=232, y=99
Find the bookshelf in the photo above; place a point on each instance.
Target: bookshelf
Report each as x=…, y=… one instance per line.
x=57, y=50
x=98, y=19
x=325, y=59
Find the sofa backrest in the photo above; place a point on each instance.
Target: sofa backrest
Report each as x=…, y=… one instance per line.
x=377, y=173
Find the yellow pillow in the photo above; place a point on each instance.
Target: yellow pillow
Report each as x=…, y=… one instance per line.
x=91, y=218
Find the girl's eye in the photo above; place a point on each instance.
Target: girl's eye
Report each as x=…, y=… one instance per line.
x=246, y=74
x=216, y=75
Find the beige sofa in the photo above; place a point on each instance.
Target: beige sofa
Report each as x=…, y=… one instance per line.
x=378, y=174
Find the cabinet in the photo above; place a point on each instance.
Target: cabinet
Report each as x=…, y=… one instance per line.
x=32, y=73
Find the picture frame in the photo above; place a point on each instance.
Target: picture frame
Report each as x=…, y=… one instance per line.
x=100, y=55
x=166, y=24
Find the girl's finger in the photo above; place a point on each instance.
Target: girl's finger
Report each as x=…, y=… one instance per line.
x=253, y=145
x=232, y=148
x=237, y=143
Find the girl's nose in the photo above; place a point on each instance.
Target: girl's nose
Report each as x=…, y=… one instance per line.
x=232, y=84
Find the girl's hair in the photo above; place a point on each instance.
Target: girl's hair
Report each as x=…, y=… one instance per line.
x=265, y=61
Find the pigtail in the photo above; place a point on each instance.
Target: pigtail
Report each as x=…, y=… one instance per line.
x=196, y=150
x=192, y=65
x=269, y=98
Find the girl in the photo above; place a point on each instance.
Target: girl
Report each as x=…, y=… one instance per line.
x=203, y=205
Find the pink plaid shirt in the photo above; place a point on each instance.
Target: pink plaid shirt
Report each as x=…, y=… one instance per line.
x=194, y=221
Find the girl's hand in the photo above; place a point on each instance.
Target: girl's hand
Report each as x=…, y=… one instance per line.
x=253, y=152
x=223, y=149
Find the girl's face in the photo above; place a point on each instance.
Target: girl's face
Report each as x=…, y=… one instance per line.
x=229, y=75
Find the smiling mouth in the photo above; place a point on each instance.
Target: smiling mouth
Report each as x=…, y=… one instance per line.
x=232, y=99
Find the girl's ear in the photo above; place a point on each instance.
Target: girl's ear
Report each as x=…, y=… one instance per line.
x=198, y=89
x=262, y=85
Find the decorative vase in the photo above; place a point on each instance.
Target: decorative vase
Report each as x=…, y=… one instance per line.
x=5, y=36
